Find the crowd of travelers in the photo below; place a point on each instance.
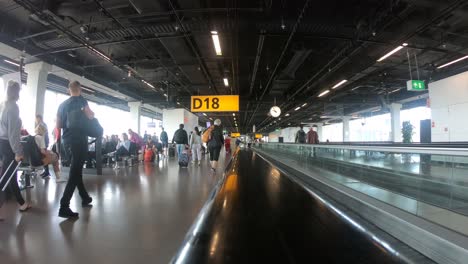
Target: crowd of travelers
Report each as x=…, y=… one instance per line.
x=71, y=146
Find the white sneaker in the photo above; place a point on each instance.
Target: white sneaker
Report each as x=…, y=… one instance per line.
x=26, y=206
x=60, y=180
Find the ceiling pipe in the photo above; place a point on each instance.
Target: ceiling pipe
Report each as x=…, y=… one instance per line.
x=107, y=13
x=200, y=62
x=261, y=40
x=34, y=10
x=291, y=35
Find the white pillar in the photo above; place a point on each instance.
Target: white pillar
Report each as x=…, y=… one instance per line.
x=36, y=85
x=395, y=135
x=346, y=128
x=135, y=116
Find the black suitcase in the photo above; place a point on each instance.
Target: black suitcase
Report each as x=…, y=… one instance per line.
x=171, y=151
x=8, y=179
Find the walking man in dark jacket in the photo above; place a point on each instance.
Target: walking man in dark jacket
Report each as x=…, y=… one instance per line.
x=75, y=143
x=181, y=140
x=165, y=141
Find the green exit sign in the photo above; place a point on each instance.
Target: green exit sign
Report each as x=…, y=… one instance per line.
x=415, y=85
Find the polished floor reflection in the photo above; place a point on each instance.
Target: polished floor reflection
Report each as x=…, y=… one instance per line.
x=140, y=215
x=260, y=215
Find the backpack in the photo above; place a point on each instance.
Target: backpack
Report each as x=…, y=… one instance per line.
x=207, y=135
x=301, y=136
x=32, y=151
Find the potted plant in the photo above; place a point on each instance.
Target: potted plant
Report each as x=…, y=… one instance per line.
x=407, y=132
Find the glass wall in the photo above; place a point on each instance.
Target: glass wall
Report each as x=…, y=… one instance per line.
x=376, y=128
x=113, y=120
x=150, y=125
x=415, y=115
x=332, y=133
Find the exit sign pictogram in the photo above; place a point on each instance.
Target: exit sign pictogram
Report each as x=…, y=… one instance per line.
x=415, y=85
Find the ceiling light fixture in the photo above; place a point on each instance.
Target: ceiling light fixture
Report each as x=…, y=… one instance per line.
x=297, y=108
x=304, y=104
x=217, y=44
x=99, y=53
x=226, y=82
x=324, y=93
x=233, y=114
x=165, y=95
x=452, y=62
x=393, y=52
x=338, y=84
x=149, y=84
x=287, y=114
x=12, y=62
x=204, y=114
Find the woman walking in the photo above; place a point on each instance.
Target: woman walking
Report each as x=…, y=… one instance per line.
x=195, y=146
x=10, y=145
x=215, y=144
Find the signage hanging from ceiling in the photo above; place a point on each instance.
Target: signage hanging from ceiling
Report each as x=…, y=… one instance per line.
x=235, y=135
x=215, y=103
x=258, y=136
x=415, y=85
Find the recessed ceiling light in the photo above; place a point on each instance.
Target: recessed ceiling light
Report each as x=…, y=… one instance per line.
x=452, y=62
x=393, y=52
x=338, y=84
x=12, y=63
x=304, y=104
x=324, y=93
x=286, y=114
x=297, y=108
x=226, y=82
x=217, y=44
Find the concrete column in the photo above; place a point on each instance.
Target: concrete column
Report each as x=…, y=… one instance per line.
x=36, y=85
x=346, y=128
x=135, y=116
x=395, y=135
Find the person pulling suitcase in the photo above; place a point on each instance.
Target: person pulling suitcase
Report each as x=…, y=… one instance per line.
x=11, y=150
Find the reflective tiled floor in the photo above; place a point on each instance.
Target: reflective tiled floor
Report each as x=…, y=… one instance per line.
x=139, y=215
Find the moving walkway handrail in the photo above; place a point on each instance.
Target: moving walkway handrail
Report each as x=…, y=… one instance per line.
x=406, y=150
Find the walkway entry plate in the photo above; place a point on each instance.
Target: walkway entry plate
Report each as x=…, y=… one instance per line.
x=215, y=103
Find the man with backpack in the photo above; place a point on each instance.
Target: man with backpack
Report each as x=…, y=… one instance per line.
x=181, y=140
x=300, y=136
x=75, y=144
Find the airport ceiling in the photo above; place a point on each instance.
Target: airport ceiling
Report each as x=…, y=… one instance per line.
x=280, y=52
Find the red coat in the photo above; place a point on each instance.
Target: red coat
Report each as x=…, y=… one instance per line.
x=312, y=137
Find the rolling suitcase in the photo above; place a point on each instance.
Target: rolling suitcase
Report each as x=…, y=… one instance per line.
x=171, y=151
x=184, y=159
x=8, y=179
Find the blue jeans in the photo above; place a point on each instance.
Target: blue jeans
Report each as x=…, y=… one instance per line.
x=180, y=149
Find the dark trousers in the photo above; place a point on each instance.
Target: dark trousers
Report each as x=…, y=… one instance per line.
x=76, y=150
x=7, y=157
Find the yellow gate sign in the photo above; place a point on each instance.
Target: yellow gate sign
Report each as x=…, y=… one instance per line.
x=258, y=135
x=215, y=103
x=235, y=135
